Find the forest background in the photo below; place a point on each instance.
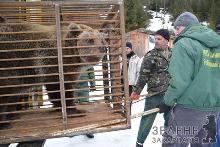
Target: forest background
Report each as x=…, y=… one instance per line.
x=137, y=13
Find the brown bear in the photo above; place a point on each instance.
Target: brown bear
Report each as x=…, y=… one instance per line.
x=41, y=49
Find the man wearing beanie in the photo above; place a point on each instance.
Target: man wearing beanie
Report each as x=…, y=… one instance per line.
x=193, y=93
x=217, y=144
x=133, y=62
x=217, y=29
x=154, y=72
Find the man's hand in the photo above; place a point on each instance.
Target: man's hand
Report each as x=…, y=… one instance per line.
x=163, y=107
x=134, y=96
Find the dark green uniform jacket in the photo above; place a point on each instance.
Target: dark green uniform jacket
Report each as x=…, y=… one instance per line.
x=154, y=71
x=86, y=76
x=85, y=84
x=195, y=70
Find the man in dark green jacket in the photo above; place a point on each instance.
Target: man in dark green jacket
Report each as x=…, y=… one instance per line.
x=83, y=94
x=217, y=144
x=154, y=72
x=194, y=91
x=88, y=79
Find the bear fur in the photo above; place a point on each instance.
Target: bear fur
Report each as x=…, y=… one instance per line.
x=73, y=35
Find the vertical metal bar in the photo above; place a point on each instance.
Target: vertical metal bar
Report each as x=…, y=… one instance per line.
x=60, y=62
x=124, y=61
x=105, y=76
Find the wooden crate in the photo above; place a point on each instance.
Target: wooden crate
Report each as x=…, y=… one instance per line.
x=47, y=65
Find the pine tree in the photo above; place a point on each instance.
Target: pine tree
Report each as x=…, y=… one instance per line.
x=205, y=10
x=135, y=16
x=214, y=13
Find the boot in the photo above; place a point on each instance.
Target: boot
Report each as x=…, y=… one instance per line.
x=35, y=143
x=90, y=135
x=139, y=144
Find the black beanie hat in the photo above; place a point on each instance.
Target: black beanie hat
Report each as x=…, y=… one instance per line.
x=164, y=33
x=129, y=45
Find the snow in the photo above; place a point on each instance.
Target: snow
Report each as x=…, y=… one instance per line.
x=159, y=21
x=120, y=138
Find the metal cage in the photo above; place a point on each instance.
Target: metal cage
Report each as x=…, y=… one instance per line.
x=44, y=48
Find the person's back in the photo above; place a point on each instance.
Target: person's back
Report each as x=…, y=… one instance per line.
x=87, y=77
x=217, y=144
x=200, y=72
x=84, y=88
x=193, y=94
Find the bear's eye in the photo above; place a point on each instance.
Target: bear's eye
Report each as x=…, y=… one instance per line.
x=91, y=41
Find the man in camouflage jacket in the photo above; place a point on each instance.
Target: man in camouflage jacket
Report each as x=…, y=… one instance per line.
x=154, y=72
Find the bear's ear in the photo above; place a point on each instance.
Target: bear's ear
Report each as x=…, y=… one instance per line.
x=107, y=29
x=76, y=29
x=2, y=19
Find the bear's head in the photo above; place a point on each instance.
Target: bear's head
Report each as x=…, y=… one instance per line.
x=88, y=41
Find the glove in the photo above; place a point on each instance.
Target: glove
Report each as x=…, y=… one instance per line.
x=134, y=96
x=163, y=107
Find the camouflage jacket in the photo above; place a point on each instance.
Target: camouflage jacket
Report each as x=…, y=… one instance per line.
x=154, y=71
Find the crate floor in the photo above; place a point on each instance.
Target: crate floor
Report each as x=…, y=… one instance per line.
x=38, y=125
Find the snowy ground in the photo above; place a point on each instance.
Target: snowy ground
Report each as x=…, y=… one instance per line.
x=122, y=138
